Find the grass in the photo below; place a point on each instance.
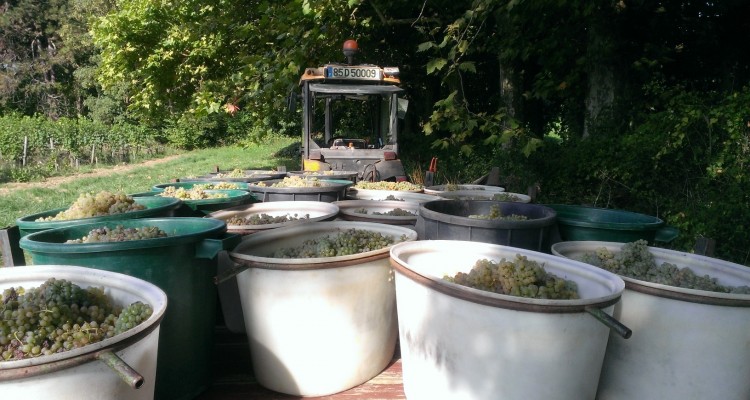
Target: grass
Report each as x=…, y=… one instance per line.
x=22, y=202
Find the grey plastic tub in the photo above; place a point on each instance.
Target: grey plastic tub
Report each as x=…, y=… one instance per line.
x=449, y=220
x=329, y=191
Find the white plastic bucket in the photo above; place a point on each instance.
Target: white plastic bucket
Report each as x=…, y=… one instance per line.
x=351, y=210
x=463, y=343
x=229, y=295
x=437, y=190
x=690, y=344
x=485, y=195
x=317, y=326
x=82, y=373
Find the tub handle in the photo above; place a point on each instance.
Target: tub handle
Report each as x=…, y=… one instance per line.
x=210, y=248
x=610, y=321
x=124, y=371
x=230, y=273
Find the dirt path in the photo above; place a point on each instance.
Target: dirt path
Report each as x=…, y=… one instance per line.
x=58, y=180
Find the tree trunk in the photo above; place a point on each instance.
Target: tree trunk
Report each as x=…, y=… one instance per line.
x=600, y=97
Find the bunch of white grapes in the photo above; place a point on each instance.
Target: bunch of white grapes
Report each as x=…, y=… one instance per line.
x=634, y=260
x=90, y=205
x=120, y=234
x=520, y=277
x=216, y=186
x=264, y=219
x=396, y=212
x=385, y=185
x=195, y=193
x=505, y=197
x=346, y=242
x=58, y=316
x=497, y=214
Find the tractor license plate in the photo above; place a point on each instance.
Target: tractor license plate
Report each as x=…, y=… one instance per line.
x=357, y=73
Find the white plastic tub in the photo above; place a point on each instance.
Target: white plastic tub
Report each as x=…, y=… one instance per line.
x=690, y=344
x=317, y=326
x=485, y=195
x=229, y=295
x=389, y=195
x=350, y=210
x=438, y=189
x=463, y=343
x=315, y=210
x=82, y=373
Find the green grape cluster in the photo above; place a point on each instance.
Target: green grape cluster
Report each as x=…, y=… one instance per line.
x=264, y=219
x=239, y=173
x=54, y=317
x=520, y=277
x=216, y=186
x=131, y=316
x=235, y=173
x=296, y=181
x=90, y=205
x=346, y=242
x=505, y=197
x=385, y=185
x=497, y=214
x=391, y=197
x=396, y=212
x=194, y=193
x=634, y=260
x=120, y=234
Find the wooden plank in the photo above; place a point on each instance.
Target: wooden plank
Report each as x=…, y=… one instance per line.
x=11, y=253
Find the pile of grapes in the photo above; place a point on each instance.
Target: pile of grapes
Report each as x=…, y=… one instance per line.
x=195, y=193
x=636, y=261
x=239, y=173
x=521, y=277
x=264, y=219
x=385, y=185
x=58, y=316
x=99, y=204
x=497, y=214
x=216, y=186
x=345, y=242
x=120, y=234
x=396, y=212
x=235, y=173
x=391, y=197
x=293, y=181
x=505, y=197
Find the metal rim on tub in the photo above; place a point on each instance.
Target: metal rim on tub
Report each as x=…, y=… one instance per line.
x=300, y=233
x=325, y=211
x=495, y=299
x=348, y=210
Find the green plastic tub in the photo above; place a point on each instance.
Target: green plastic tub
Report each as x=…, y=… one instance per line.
x=199, y=208
x=609, y=225
x=155, y=207
x=183, y=265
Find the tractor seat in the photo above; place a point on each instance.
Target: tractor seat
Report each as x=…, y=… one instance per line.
x=349, y=143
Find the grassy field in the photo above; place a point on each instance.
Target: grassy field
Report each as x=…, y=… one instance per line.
x=21, y=200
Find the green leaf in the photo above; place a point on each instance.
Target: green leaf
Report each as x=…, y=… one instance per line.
x=436, y=64
x=468, y=66
x=425, y=46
